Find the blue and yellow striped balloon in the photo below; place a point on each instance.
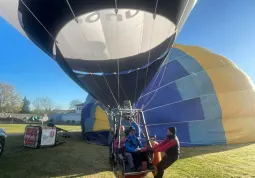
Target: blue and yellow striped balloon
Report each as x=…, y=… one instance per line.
x=95, y=123
x=204, y=95
x=207, y=97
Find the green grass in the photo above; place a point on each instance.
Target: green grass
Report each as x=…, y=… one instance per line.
x=20, y=128
x=78, y=159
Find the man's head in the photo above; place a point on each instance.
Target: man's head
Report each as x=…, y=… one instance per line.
x=132, y=131
x=122, y=128
x=171, y=131
x=152, y=138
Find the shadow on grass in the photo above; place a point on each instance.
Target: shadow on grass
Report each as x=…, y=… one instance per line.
x=72, y=159
x=187, y=152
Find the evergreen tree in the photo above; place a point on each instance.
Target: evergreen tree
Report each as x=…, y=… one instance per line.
x=25, y=107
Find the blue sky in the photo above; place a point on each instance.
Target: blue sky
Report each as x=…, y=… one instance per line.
x=225, y=27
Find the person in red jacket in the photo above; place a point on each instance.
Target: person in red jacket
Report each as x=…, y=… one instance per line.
x=171, y=147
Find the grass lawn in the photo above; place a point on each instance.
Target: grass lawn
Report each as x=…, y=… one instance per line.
x=78, y=159
x=20, y=128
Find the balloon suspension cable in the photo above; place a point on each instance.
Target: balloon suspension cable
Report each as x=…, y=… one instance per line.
x=151, y=98
x=99, y=89
x=109, y=86
x=170, y=43
x=118, y=64
x=118, y=82
x=121, y=87
x=55, y=41
x=182, y=13
x=164, y=63
x=149, y=56
x=116, y=7
x=152, y=85
x=168, y=104
x=77, y=21
x=165, y=85
x=137, y=72
x=155, y=10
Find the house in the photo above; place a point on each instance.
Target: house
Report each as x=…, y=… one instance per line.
x=79, y=107
x=56, y=115
x=74, y=117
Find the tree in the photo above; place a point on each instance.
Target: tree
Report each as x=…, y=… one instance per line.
x=25, y=107
x=10, y=101
x=73, y=103
x=43, y=105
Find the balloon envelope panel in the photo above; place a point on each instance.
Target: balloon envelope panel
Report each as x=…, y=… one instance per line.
x=100, y=32
x=207, y=97
x=101, y=36
x=95, y=123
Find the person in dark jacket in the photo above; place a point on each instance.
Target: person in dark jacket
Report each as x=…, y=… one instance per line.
x=171, y=147
x=134, y=146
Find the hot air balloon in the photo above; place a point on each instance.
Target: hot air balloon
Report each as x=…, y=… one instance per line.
x=204, y=95
x=90, y=38
x=111, y=48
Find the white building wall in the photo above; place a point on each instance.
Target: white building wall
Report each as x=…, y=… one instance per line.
x=78, y=109
x=73, y=116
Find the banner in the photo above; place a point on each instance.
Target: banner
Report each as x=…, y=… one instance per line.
x=48, y=136
x=31, y=136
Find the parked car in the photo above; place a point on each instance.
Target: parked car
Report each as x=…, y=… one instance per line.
x=2, y=140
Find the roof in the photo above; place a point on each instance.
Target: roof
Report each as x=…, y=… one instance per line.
x=60, y=111
x=71, y=114
x=82, y=104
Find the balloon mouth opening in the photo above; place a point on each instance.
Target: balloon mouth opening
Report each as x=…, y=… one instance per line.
x=106, y=35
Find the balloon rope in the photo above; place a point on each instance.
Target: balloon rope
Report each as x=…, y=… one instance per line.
x=146, y=104
x=193, y=73
x=108, y=86
x=183, y=13
x=155, y=10
x=136, y=82
x=70, y=7
x=118, y=65
x=148, y=60
x=176, y=102
x=116, y=7
x=122, y=89
x=170, y=43
x=99, y=89
x=39, y=21
x=71, y=10
x=151, y=86
x=167, y=83
x=118, y=81
x=154, y=17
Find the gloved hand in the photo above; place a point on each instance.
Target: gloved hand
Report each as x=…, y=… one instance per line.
x=143, y=149
x=150, y=149
x=137, y=149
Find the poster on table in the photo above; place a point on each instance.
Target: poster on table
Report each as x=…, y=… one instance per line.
x=31, y=136
x=48, y=137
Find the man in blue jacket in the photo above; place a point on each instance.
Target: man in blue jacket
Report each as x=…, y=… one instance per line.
x=137, y=128
x=133, y=146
